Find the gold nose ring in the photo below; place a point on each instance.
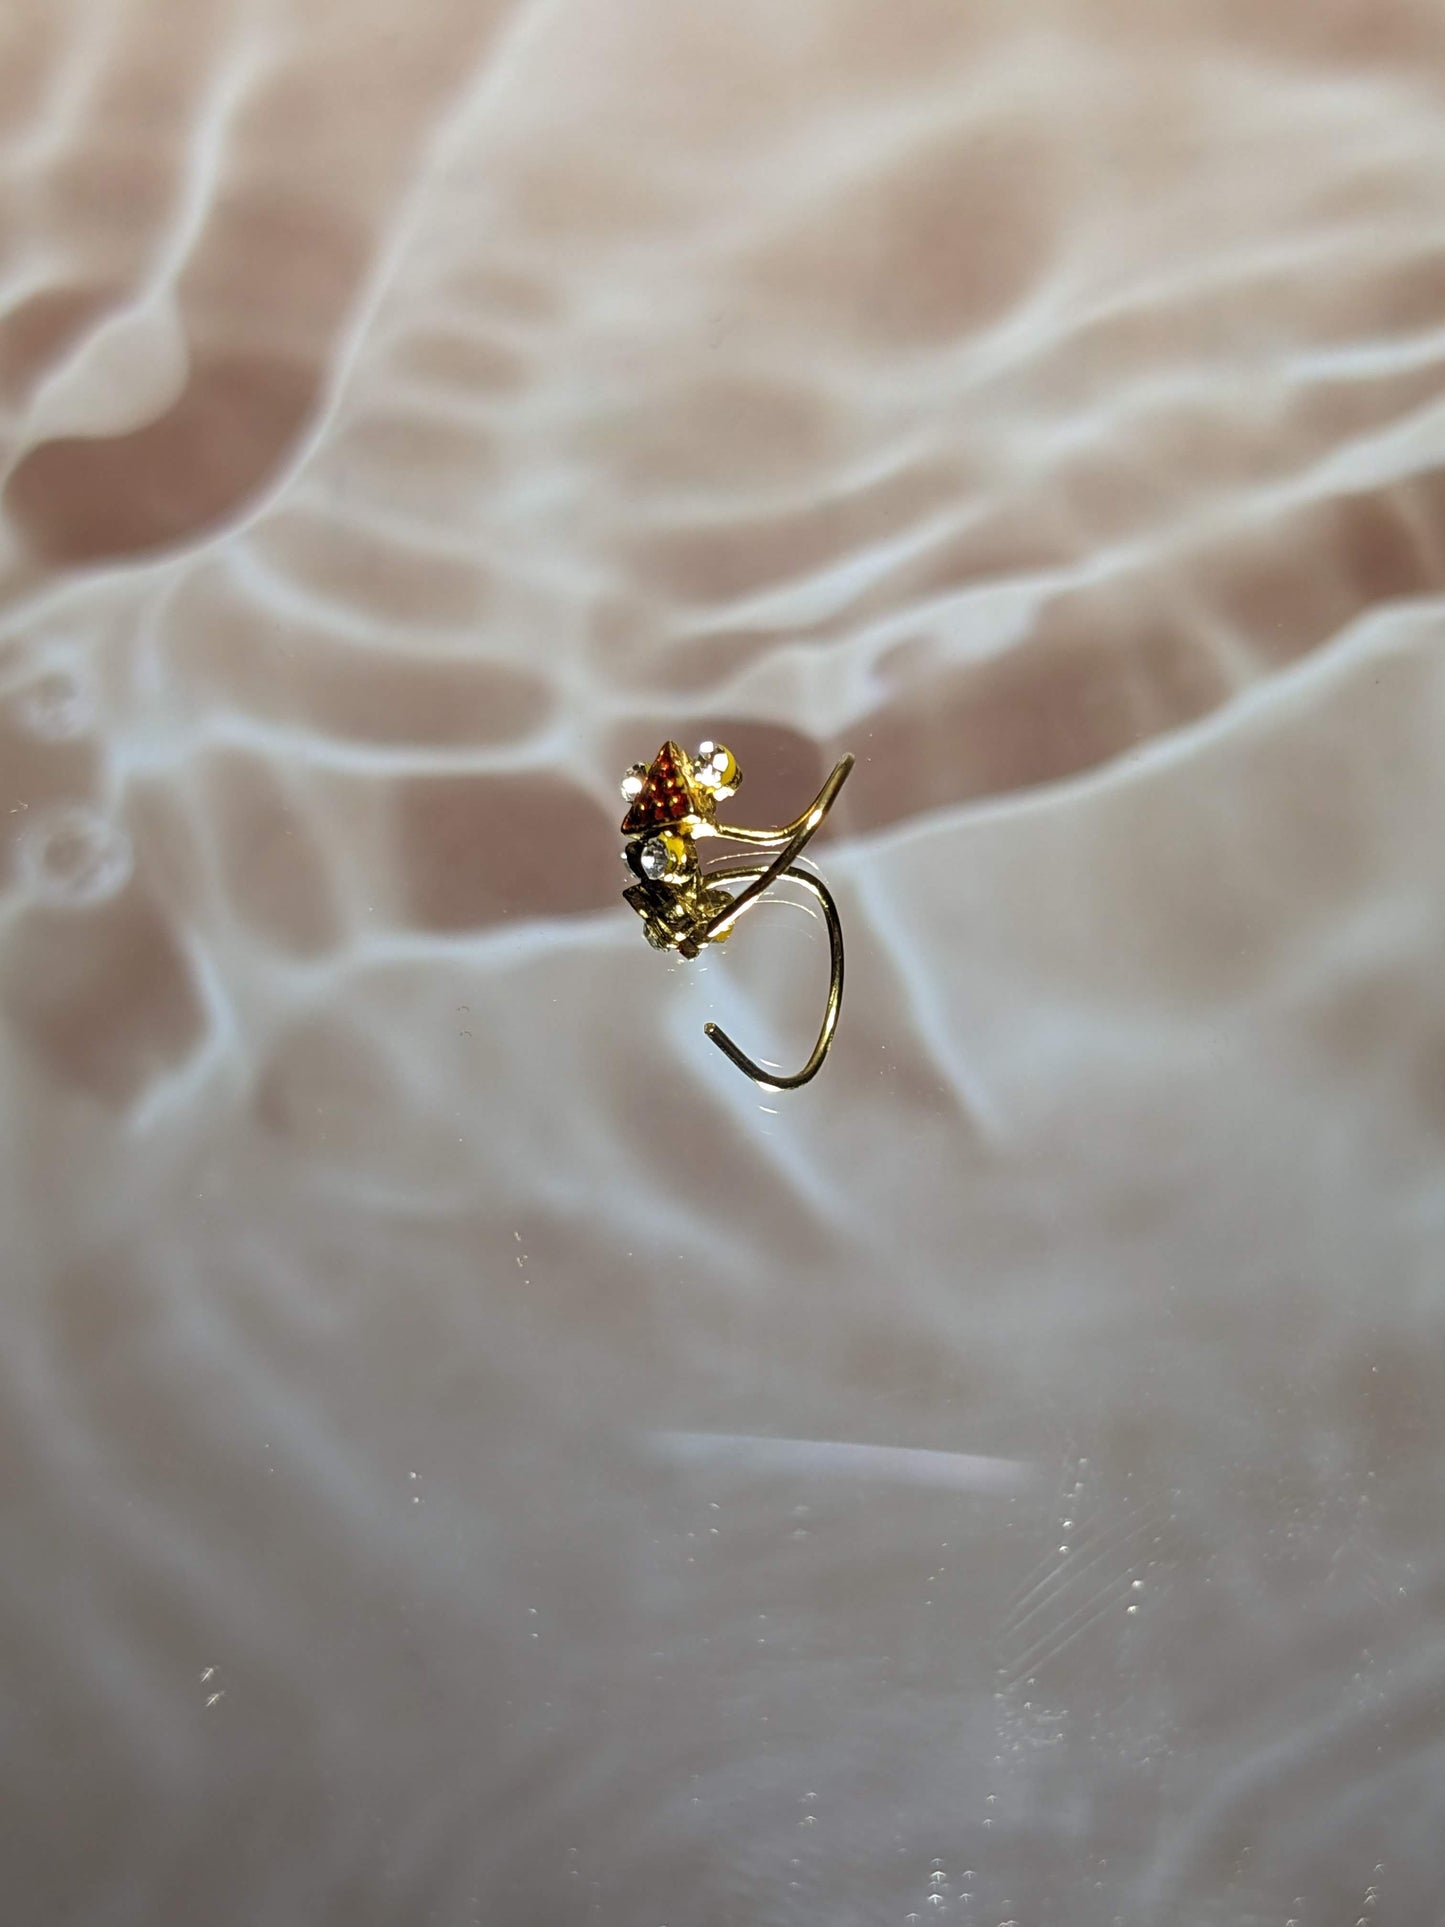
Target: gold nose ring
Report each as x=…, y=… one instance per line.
x=672, y=805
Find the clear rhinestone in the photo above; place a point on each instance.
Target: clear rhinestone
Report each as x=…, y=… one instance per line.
x=655, y=859
x=633, y=781
x=715, y=769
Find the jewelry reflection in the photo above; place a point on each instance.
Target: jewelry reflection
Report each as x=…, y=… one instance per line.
x=672, y=805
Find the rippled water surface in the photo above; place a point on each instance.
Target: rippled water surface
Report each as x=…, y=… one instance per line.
x=471, y=1457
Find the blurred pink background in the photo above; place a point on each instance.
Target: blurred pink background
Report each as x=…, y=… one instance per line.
x=469, y=1456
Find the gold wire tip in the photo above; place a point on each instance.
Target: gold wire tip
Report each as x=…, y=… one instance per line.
x=671, y=804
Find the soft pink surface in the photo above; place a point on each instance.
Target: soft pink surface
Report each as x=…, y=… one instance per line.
x=471, y=1457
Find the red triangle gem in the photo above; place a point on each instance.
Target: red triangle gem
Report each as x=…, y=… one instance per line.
x=665, y=797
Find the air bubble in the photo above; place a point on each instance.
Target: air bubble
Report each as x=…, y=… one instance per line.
x=73, y=856
x=56, y=707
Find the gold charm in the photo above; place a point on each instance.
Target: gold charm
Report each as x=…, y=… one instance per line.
x=672, y=804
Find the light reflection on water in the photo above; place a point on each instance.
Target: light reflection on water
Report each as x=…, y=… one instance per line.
x=470, y=1459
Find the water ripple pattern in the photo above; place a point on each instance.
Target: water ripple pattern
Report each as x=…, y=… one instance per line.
x=469, y=1457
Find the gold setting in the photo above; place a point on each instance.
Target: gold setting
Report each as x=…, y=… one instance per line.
x=672, y=804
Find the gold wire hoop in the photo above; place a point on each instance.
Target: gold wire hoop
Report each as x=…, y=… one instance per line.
x=673, y=806
x=774, y=1080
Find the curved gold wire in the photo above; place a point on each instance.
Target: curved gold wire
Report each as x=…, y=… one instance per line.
x=794, y=836
x=773, y=1080
x=785, y=832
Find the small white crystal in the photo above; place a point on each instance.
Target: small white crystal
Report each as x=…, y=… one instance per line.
x=655, y=859
x=633, y=781
x=714, y=770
